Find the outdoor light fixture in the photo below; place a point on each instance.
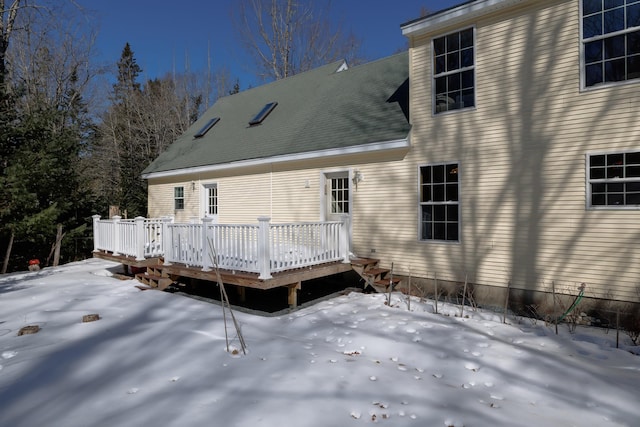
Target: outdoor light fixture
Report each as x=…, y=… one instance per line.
x=357, y=177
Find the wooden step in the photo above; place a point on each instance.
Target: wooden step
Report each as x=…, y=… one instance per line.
x=156, y=271
x=387, y=281
x=155, y=281
x=373, y=272
x=364, y=262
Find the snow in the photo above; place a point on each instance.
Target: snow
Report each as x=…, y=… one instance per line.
x=156, y=358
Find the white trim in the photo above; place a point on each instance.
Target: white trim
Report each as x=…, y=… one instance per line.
x=464, y=12
x=588, y=198
x=421, y=203
x=204, y=199
x=356, y=149
x=583, y=42
x=434, y=113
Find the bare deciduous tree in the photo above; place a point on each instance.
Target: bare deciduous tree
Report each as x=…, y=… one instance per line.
x=9, y=14
x=286, y=37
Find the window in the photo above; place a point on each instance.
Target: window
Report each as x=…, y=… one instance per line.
x=439, y=205
x=614, y=180
x=454, y=71
x=211, y=123
x=611, y=41
x=178, y=198
x=263, y=113
x=339, y=195
x=212, y=199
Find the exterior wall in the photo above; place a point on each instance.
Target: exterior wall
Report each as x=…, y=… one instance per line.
x=287, y=192
x=521, y=153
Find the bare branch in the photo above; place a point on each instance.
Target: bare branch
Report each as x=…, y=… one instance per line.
x=286, y=37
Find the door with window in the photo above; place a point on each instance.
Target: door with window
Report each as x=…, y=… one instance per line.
x=336, y=198
x=337, y=195
x=211, y=201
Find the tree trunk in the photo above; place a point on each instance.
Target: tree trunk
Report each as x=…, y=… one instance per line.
x=8, y=253
x=59, y=237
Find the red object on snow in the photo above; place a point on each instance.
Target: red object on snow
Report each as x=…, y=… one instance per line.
x=34, y=261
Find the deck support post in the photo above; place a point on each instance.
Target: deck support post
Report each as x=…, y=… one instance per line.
x=207, y=254
x=116, y=234
x=242, y=293
x=293, y=294
x=166, y=239
x=96, y=235
x=139, y=239
x=264, y=248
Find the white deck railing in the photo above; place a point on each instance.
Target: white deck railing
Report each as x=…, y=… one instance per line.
x=262, y=248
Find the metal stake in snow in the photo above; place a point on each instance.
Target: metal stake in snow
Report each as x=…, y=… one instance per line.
x=464, y=294
x=390, y=285
x=224, y=299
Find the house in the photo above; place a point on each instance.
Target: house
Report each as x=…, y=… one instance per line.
x=285, y=154
x=524, y=168
x=517, y=171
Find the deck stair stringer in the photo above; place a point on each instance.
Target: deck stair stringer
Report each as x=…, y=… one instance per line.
x=379, y=279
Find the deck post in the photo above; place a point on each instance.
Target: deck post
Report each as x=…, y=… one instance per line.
x=139, y=239
x=96, y=236
x=264, y=248
x=293, y=294
x=166, y=239
x=207, y=255
x=116, y=236
x=345, y=239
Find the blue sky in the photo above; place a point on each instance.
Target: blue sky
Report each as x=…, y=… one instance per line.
x=164, y=33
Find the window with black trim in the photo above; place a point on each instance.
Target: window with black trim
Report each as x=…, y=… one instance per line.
x=439, y=202
x=611, y=41
x=178, y=198
x=454, y=71
x=614, y=180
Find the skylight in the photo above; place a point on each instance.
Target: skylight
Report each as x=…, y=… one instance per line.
x=204, y=129
x=263, y=113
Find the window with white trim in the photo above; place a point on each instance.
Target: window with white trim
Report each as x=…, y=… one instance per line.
x=610, y=41
x=454, y=71
x=614, y=180
x=339, y=188
x=178, y=198
x=212, y=199
x=439, y=202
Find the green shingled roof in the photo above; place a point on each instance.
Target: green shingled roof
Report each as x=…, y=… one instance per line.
x=321, y=109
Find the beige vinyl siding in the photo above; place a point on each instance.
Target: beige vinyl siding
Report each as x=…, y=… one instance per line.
x=522, y=157
x=522, y=160
x=161, y=200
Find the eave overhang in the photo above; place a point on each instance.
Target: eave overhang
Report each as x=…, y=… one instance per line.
x=333, y=152
x=458, y=14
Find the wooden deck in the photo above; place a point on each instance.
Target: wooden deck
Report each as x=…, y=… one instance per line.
x=291, y=279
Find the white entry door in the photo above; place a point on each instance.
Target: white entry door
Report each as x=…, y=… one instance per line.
x=337, y=195
x=210, y=201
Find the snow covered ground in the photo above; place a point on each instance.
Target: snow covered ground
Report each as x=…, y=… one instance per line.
x=160, y=359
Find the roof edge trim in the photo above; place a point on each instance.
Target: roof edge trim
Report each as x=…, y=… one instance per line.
x=376, y=146
x=463, y=12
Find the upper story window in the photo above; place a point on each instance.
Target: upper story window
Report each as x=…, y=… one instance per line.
x=614, y=180
x=454, y=71
x=611, y=41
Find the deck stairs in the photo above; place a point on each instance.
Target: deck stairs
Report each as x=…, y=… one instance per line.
x=154, y=277
x=379, y=279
